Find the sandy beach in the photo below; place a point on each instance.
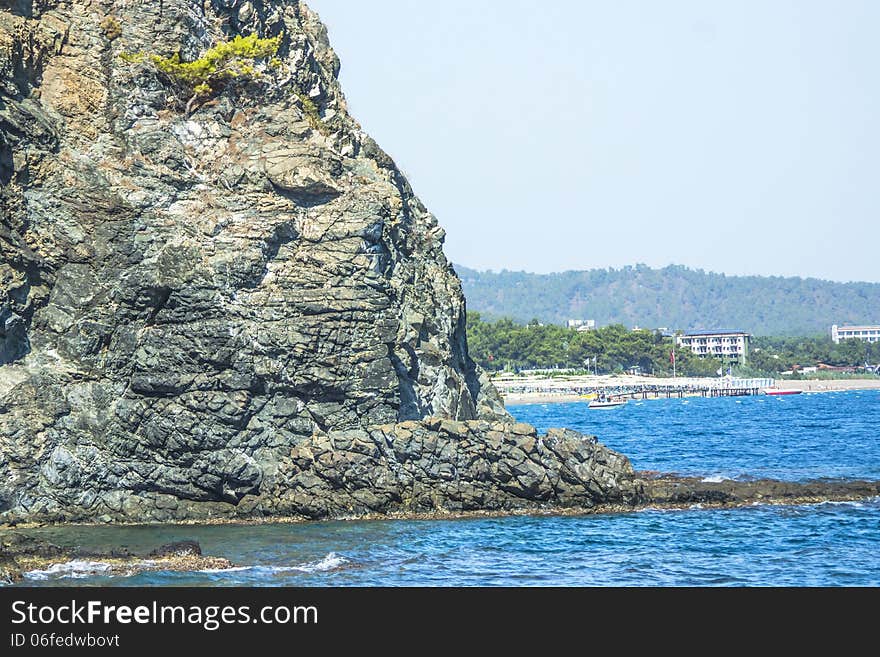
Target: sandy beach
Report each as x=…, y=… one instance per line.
x=541, y=390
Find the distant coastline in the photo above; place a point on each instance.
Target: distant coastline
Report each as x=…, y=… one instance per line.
x=543, y=390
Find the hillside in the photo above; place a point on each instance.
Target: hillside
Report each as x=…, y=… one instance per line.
x=675, y=297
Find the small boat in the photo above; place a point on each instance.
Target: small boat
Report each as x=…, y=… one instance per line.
x=782, y=391
x=606, y=402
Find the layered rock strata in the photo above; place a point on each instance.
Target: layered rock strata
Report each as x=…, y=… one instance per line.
x=230, y=304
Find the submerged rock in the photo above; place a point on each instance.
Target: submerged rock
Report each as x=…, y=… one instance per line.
x=178, y=549
x=672, y=490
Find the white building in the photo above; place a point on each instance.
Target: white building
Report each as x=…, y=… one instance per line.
x=582, y=324
x=730, y=346
x=863, y=333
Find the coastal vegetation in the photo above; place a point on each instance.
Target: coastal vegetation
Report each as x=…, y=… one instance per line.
x=504, y=344
x=310, y=112
x=780, y=354
x=227, y=61
x=674, y=297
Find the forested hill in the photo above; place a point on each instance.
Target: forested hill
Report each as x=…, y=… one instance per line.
x=675, y=297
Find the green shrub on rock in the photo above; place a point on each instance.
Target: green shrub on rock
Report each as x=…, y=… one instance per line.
x=310, y=111
x=232, y=60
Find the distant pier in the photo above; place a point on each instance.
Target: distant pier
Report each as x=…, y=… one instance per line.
x=740, y=389
x=726, y=387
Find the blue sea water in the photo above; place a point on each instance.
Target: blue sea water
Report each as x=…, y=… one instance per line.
x=804, y=437
x=795, y=438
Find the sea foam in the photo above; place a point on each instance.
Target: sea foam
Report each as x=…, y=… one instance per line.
x=76, y=569
x=330, y=561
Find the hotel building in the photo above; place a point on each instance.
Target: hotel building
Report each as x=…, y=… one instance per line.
x=731, y=346
x=863, y=333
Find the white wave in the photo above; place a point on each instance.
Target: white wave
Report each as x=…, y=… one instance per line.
x=695, y=506
x=80, y=568
x=715, y=479
x=76, y=569
x=850, y=503
x=331, y=561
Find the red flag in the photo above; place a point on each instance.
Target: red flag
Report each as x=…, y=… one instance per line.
x=672, y=356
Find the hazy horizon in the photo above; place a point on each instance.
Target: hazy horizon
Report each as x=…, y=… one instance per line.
x=657, y=267
x=738, y=138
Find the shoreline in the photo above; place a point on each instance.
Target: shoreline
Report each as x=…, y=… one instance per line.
x=26, y=548
x=475, y=514
x=556, y=390
x=688, y=492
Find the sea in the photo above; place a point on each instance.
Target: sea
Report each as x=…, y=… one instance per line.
x=832, y=435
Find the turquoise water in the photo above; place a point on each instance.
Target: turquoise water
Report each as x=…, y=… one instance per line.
x=804, y=437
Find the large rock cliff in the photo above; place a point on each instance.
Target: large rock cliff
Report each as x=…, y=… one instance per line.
x=230, y=303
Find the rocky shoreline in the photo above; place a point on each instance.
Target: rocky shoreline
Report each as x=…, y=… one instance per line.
x=674, y=491
x=429, y=465
x=444, y=468
x=21, y=552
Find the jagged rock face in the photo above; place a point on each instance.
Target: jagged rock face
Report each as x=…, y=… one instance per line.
x=190, y=291
x=450, y=465
x=410, y=467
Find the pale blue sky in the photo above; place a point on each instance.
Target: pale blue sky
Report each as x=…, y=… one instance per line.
x=741, y=137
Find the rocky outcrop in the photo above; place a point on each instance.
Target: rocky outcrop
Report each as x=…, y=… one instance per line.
x=417, y=467
x=230, y=304
x=675, y=491
x=21, y=552
x=413, y=467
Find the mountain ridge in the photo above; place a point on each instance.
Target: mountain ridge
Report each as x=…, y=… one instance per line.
x=674, y=297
